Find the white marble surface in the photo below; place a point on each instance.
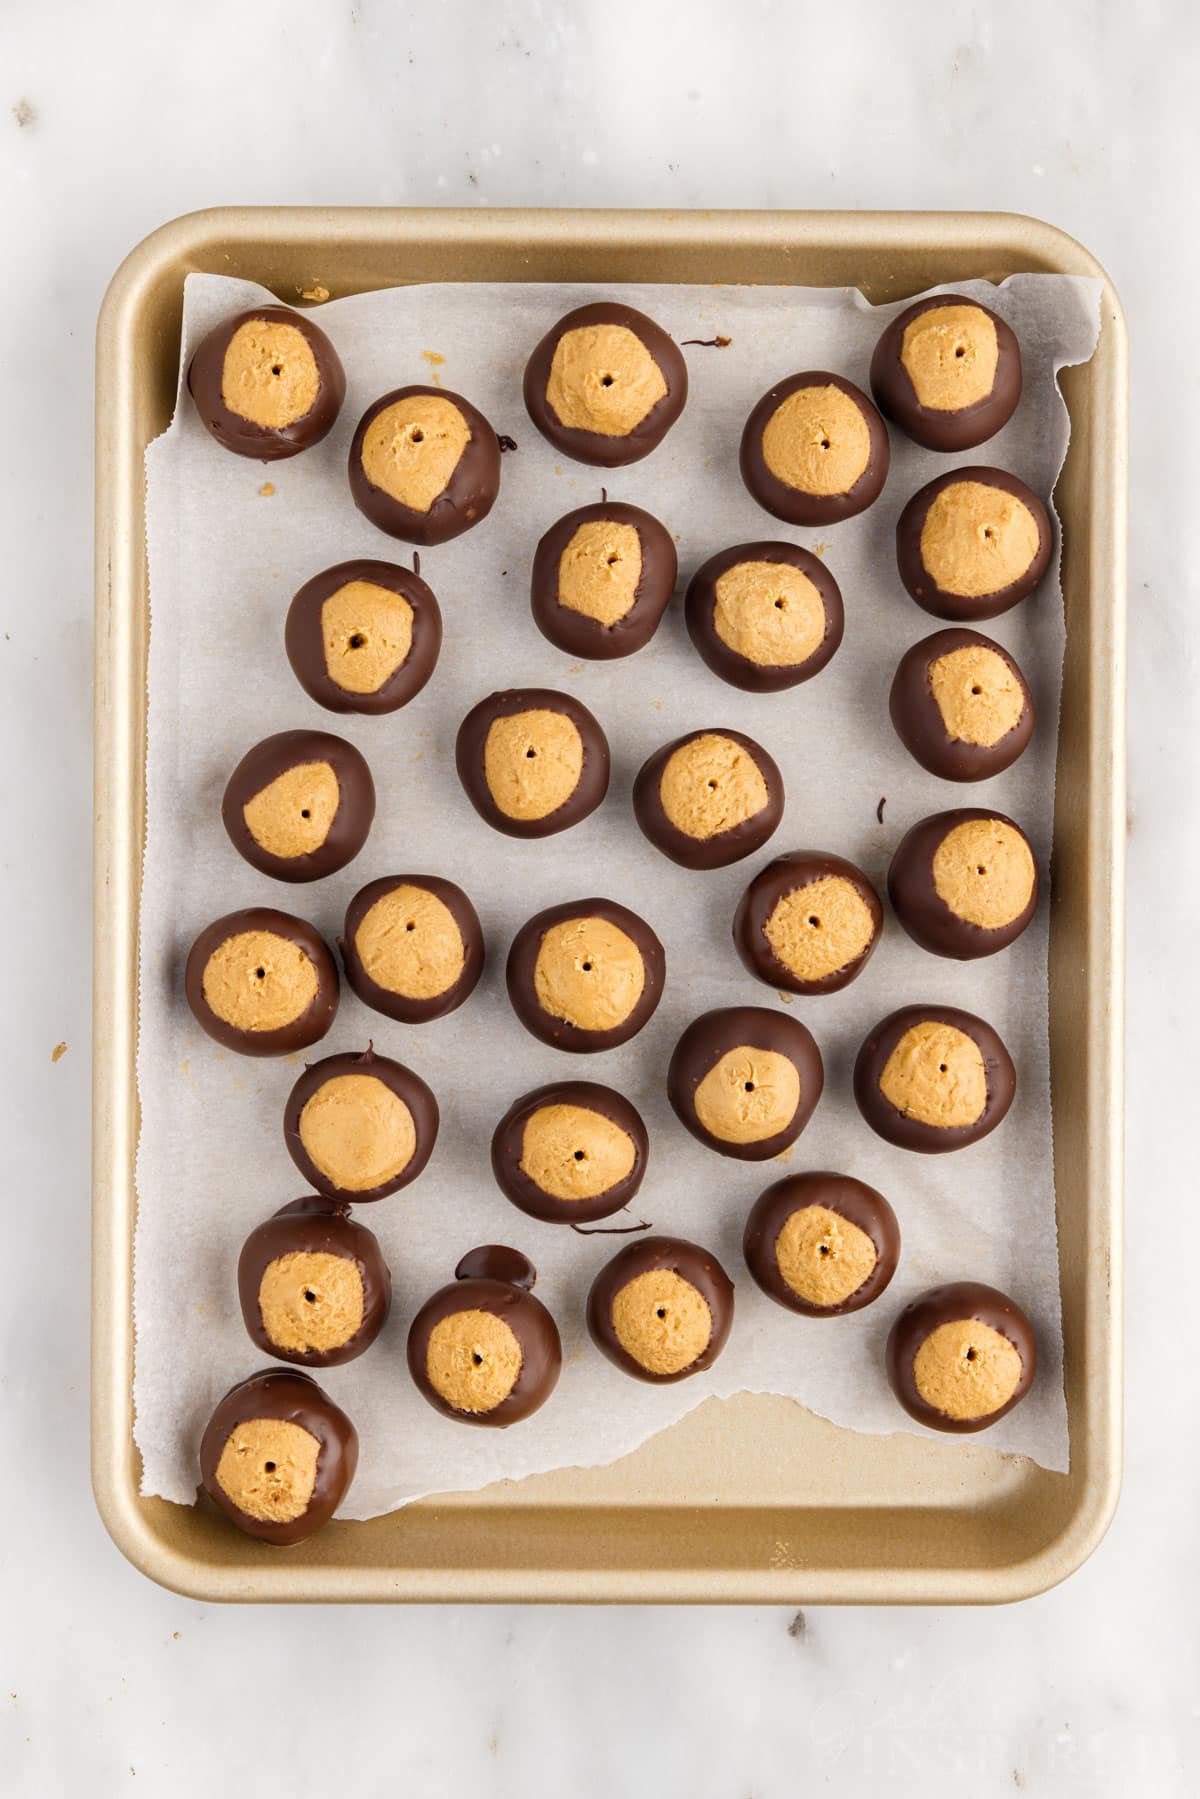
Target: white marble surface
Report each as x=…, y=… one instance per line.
x=117, y=116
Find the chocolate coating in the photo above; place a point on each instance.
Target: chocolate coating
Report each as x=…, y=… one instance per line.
x=290, y=1395
x=471, y=743
x=594, y=446
x=793, y=504
x=407, y=1008
x=712, y=1036
x=947, y=1305
x=760, y=677
x=493, y=1279
x=853, y=1200
x=773, y=883
x=575, y=632
x=406, y=1085
x=522, y=960
x=921, y=909
x=919, y=723
x=525, y=1193
x=305, y=644
x=965, y=427
x=723, y=847
x=690, y=1263
x=242, y=435
x=304, y=1030
x=351, y=821
x=964, y=608
x=315, y=1226
x=469, y=493
x=913, y=1133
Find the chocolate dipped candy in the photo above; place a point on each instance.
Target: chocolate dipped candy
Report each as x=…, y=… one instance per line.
x=964, y=883
x=661, y=1309
x=313, y=1284
x=267, y=383
x=814, y=450
x=745, y=1081
x=709, y=798
x=278, y=1456
x=932, y=1078
x=948, y=372
x=606, y=384
x=532, y=761
x=961, y=705
x=973, y=543
x=570, y=1153
x=586, y=975
x=363, y=636
x=359, y=1127
x=483, y=1350
x=602, y=578
x=961, y=1356
x=299, y=805
x=261, y=982
x=764, y=616
x=424, y=465
x=808, y=922
x=413, y=947
x=821, y=1244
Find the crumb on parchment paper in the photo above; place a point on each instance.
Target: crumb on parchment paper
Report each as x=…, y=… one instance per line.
x=267, y=489
x=436, y=361
x=58, y=1052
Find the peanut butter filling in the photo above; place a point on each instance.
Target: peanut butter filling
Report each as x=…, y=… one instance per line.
x=950, y=354
x=966, y=1369
x=983, y=870
x=412, y=448
x=473, y=1360
x=817, y=441
x=817, y=929
x=257, y=981
x=936, y=1075
x=408, y=942
x=748, y=1096
x=292, y=815
x=357, y=1132
x=367, y=632
x=711, y=784
x=822, y=1256
x=532, y=762
x=572, y=1152
x=603, y=379
x=599, y=571
x=770, y=613
x=269, y=375
x=588, y=973
x=977, y=694
x=662, y=1321
x=311, y=1300
x=268, y=1468
x=977, y=539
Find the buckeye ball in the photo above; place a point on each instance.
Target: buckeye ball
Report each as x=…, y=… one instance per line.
x=709, y=798
x=299, y=805
x=424, y=465
x=808, y=922
x=932, y=1078
x=821, y=1244
x=483, y=1350
x=972, y=544
x=267, y=383
x=313, y=1284
x=745, y=1081
x=413, y=947
x=948, y=372
x=586, y=975
x=606, y=384
x=961, y=706
x=602, y=579
x=960, y=1356
x=278, y=1456
x=814, y=450
x=764, y=616
x=964, y=883
x=261, y=982
x=661, y=1310
x=359, y=1127
x=363, y=636
x=532, y=761
x=570, y=1153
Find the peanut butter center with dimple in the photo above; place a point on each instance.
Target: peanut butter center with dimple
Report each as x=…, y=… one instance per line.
x=409, y=942
x=292, y=815
x=258, y=981
x=817, y=441
x=662, y=1321
x=711, y=784
x=950, y=354
x=977, y=694
x=603, y=379
x=817, y=929
x=367, y=632
x=268, y=1468
x=936, y=1075
x=599, y=571
x=984, y=871
x=977, y=539
x=269, y=375
x=770, y=613
x=966, y=1369
x=311, y=1301
x=532, y=762
x=412, y=448
x=822, y=1256
x=473, y=1360
x=357, y=1132
x=748, y=1096
x=572, y=1152
x=589, y=973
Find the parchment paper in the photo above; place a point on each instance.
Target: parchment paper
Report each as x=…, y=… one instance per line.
x=226, y=554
